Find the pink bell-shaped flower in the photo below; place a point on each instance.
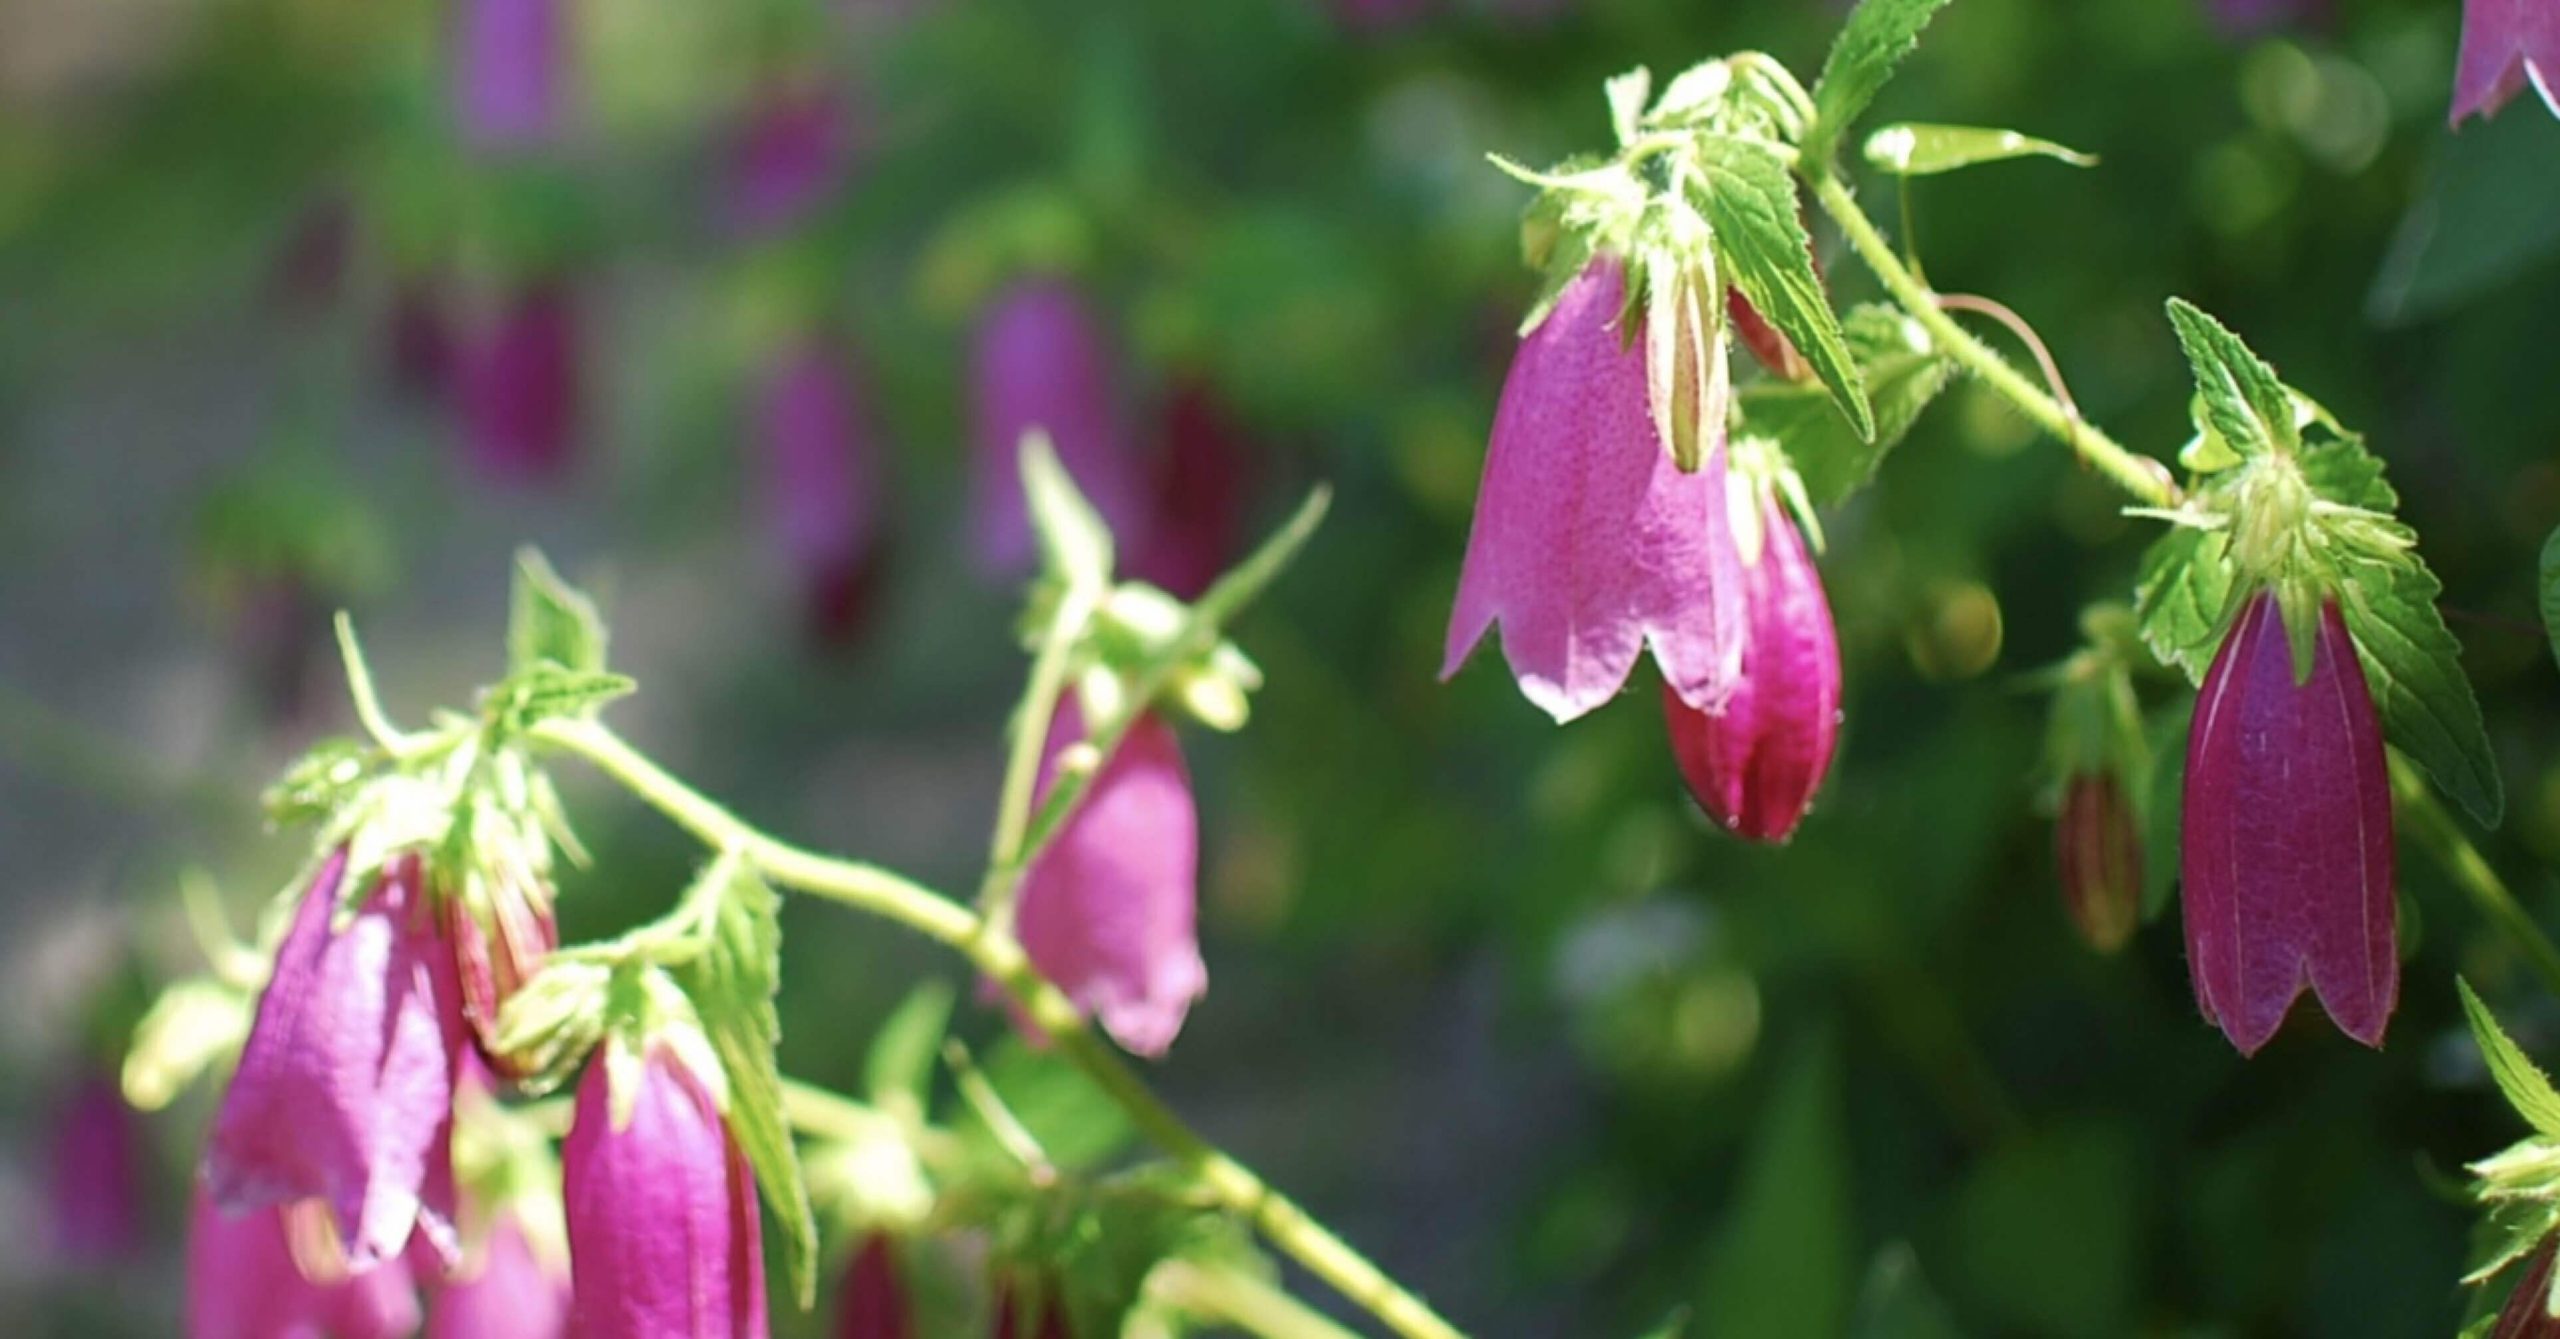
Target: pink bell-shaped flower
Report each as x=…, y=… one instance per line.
x=509, y=1291
x=2506, y=44
x=275, y=1273
x=1198, y=512
x=2285, y=848
x=93, y=1175
x=1589, y=543
x=510, y=63
x=663, y=1235
x=873, y=1303
x=821, y=484
x=790, y=154
x=1756, y=764
x=1109, y=911
x=344, y=1093
x=518, y=384
x=2098, y=854
x=1040, y=361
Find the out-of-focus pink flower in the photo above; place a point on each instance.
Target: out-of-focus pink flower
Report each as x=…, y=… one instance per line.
x=1041, y=361
x=418, y=338
x=790, y=155
x=344, y=1092
x=663, y=1234
x=1109, y=911
x=2505, y=45
x=311, y=266
x=93, y=1175
x=873, y=1303
x=508, y=1292
x=2246, y=18
x=821, y=484
x=275, y=1273
x=2285, y=848
x=509, y=71
x=518, y=375
x=2098, y=854
x=1755, y=765
x=1199, y=495
x=1589, y=543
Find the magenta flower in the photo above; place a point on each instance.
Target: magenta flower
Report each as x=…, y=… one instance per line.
x=788, y=157
x=2505, y=44
x=1199, y=495
x=1108, y=912
x=1755, y=765
x=874, y=1302
x=344, y=1092
x=822, y=486
x=510, y=61
x=274, y=1273
x=93, y=1175
x=1589, y=543
x=502, y=930
x=2286, y=860
x=518, y=381
x=2099, y=855
x=418, y=338
x=663, y=1234
x=1040, y=361
x=509, y=1292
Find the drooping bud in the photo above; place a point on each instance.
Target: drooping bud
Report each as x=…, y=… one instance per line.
x=517, y=377
x=1040, y=361
x=276, y=1270
x=510, y=63
x=786, y=159
x=1109, y=911
x=502, y=929
x=822, y=487
x=344, y=1091
x=2286, y=841
x=93, y=1175
x=1767, y=343
x=505, y=1290
x=1199, y=495
x=2098, y=852
x=873, y=1303
x=2529, y=1312
x=2505, y=45
x=1589, y=542
x=664, y=1237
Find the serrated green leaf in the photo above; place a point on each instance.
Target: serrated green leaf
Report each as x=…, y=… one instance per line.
x=2413, y=665
x=2526, y=1088
x=1912, y=149
x=1878, y=34
x=1749, y=201
x=1902, y=375
x=900, y=1064
x=2550, y=575
x=2182, y=594
x=546, y=691
x=2243, y=400
x=549, y=620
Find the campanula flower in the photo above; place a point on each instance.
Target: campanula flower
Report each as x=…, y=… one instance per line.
x=275, y=1272
x=1040, y=361
x=821, y=483
x=2505, y=45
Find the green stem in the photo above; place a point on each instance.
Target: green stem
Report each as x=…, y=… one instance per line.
x=2137, y=474
x=2435, y=829
x=1006, y=858
x=1241, y=1300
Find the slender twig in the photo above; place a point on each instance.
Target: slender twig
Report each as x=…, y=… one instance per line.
x=1005, y=859
x=1239, y=1299
x=2026, y=334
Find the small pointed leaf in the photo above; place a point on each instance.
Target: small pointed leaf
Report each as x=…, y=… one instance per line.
x=1915, y=150
x=1877, y=36
x=2526, y=1088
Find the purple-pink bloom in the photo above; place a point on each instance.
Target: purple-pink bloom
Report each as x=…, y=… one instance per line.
x=344, y=1092
x=2506, y=44
x=2286, y=842
x=663, y=1234
x=1109, y=910
x=418, y=338
x=510, y=63
x=787, y=158
x=508, y=1292
x=93, y=1175
x=821, y=483
x=1040, y=361
x=1199, y=495
x=273, y=1273
x=1755, y=765
x=518, y=380
x=873, y=1303
x=1589, y=543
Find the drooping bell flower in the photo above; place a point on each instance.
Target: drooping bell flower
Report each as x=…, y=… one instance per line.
x=509, y=69
x=821, y=484
x=1755, y=765
x=344, y=1093
x=2098, y=854
x=787, y=158
x=2505, y=45
x=93, y=1175
x=276, y=1273
x=518, y=382
x=507, y=1290
x=1589, y=543
x=2286, y=856
x=1040, y=361
x=1199, y=495
x=1109, y=911
x=663, y=1234
x=873, y=1303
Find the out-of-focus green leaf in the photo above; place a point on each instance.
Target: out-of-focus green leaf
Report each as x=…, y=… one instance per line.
x=903, y=1052
x=1911, y=149
x=2043, y=1235
x=1781, y=1264
x=1075, y=1123
x=551, y=621
x=2489, y=210
x=1896, y=1302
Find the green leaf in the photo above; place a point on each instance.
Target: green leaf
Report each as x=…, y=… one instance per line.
x=2527, y=1090
x=1750, y=202
x=2182, y=595
x=2488, y=212
x=1781, y=1262
x=732, y=984
x=1877, y=36
x=1914, y=150
x=2243, y=400
x=317, y=783
x=549, y=620
x=2413, y=665
x=1075, y=544
x=1902, y=372
x=1074, y=1122
x=546, y=691
x=900, y=1065
x=2551, y=590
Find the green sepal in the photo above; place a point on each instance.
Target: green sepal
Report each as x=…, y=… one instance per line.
x=1878, y=34
x=1749, y=201
x=1911, y=149
x=2184, y=593
x=1902, y=373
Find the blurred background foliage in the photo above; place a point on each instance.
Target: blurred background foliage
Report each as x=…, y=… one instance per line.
x=1487, y=994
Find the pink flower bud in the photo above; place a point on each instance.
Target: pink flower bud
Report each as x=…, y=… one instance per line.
x=1040, y=361
x=2286, y=857
x=509, y=1292
x=1767, y=343
x=2099, y=854
x=344, y=1091
x=663, y=1234
x=822, y=487
x=1199, y=495
x=275, y=1271
x=502, y=930
x=791, y=153
x=2506, y=44
x=1755, y=765
x=874, y=1303
x=2527, y=1314
x=1108, y=912
x=509, y=62
x=518, y=382
x=93, y=1175
x=1589, y=543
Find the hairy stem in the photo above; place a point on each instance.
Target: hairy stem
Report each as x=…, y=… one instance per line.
x=1241, y=1300
x=2471, y=871
x=1006, y=858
